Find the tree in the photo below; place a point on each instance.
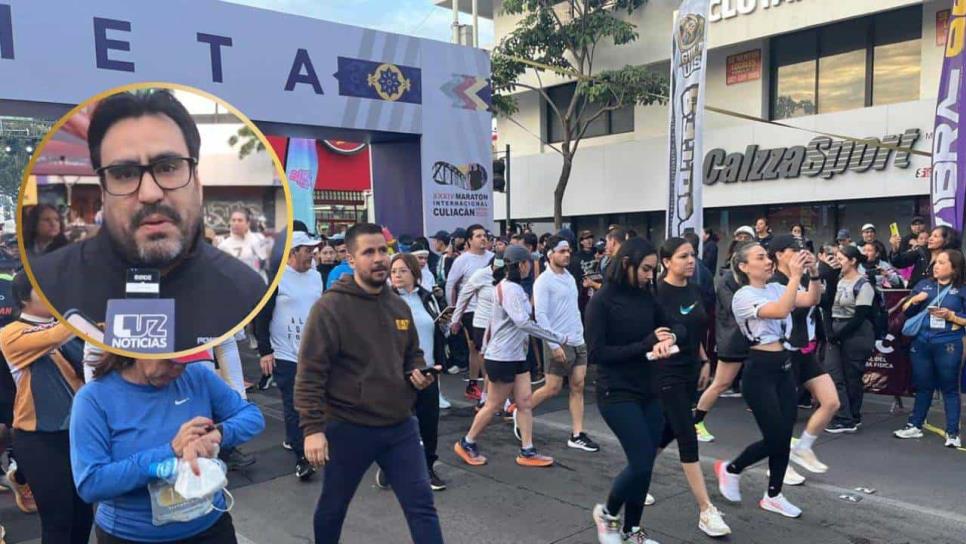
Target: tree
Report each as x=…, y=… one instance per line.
x=249, y=142
x=563, y=36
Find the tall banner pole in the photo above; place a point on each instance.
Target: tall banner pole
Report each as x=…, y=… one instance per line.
x=948, y=188
x=302, y=167
x=689, y=57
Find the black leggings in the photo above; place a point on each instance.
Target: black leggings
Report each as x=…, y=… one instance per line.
x=427, y=413
x=45, y=457
x=769, y=390
x=676, y=400
x=637, y=425
x=222, y=532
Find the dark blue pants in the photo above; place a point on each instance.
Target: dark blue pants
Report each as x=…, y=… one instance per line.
x=936, y=366
x=352, y=450
x=285, y=377
x=638, y=427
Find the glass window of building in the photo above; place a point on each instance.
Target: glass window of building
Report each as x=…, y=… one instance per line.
x=897, y=67
x=841, y=66
x=612, y=122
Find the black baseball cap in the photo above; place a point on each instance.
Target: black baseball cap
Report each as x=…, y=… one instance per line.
x=459, y=233
x=442, y=236
x=785, y=241
x=918, y=220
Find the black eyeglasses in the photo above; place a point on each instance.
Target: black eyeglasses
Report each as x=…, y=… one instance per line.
x=169, y=173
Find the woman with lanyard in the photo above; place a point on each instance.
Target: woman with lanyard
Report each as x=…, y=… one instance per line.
x=505, y=352
x=681, y=376
x=762, y=310
x=626, y=331
x=937, y=350
x=405, y=275
x=802, y=347
x=851, y=339
x=923, y=257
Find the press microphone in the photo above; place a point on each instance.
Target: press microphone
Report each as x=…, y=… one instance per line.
x=141, y=322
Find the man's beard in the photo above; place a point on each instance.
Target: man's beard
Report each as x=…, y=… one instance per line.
x=370, y=280
x=159, y=249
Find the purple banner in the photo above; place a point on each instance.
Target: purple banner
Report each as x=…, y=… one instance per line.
x=948, y=188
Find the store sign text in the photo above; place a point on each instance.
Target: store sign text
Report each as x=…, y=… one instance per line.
x=727, y=9
x=822, y=157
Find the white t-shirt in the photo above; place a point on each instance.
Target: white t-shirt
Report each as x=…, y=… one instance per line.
x=745, y=305
x=479, y=288
x=555, y=301
x=297, y=292
x=249, y=249
x=463, y=268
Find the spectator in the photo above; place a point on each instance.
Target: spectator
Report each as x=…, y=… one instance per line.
x=744, y=233
x=616, y=236
x=709, y=251
x=880, y=271
x=763, y=232
x=798, y=231
x=43, y=230
x=916, y=227
x=868, y=233
x=923, y=257
x=328, y=259
x=844, y=238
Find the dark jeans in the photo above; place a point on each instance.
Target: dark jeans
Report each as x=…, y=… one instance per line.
x=45, y=458
x=638, y=427
x=285, y=377
x=427, y=413
x=459, y=350
x=769, y=389
x=936, y=366
x=222, y=532
x=352, y=450
x=676, y=401
x=845, y=363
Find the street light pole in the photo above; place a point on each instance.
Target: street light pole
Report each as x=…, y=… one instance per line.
x=506, y=189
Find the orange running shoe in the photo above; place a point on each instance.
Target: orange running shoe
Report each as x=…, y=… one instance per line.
x=22, y=493
x=530, y=458
x=469, y=453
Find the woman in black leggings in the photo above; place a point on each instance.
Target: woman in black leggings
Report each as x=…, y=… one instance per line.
x=762, y=311
x=678, y=377
x=624, y=326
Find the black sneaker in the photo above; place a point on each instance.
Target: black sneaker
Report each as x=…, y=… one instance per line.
x=304, y=470
x=838, y=428
x=381, y=481
x=236, y=459
x=265, y=382
x=435, y=481
x=583, y=442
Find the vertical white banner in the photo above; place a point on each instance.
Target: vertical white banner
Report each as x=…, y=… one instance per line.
x=689, y=58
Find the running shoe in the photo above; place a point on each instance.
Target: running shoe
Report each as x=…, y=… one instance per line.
x=703, y=434
x=473, y=391
x=582, y=442
x=455, y=369
x=469, y=453
x=435, y=482
x=953, y=441
x=509, y=410
x=839, y=428
x=805, y=458
x=22, y=493
x=265, y=382
x=381, y=481
x=791, y=476
x=636, y=536
x=728, y=484
x=780, y=505
x=443, y=403
x=286, y=445
x=530, y=458
x=649, y=500
x=304, y=470
x=711, y=522
x=731, y=394
x=537, y=379
x=608, y=526
x=3, y=535
x=516, y=426
x=805, y=406
x=909, y=431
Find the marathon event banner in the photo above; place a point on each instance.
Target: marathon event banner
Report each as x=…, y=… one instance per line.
x=688, y=66
x=888, y=370
x=948, y=188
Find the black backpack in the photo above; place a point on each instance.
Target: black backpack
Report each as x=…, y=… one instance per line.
x=879, y=316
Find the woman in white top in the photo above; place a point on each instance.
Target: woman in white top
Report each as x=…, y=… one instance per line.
x=505, y=353
x=763, y=312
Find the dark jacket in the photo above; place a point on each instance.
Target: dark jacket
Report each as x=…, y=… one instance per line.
x=709, y=255
x=919, y=259
x=619, y=328
x=732, y=345
x=357, y=350
x=213, y=291
x=434, y=305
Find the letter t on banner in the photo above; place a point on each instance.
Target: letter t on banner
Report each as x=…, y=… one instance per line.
x=689, y=58
x=947, y=187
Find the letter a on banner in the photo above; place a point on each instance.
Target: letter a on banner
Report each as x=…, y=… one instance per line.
x=688, y=66
x=947, y=186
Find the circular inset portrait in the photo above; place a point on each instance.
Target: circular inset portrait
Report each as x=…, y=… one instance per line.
x=147, y=220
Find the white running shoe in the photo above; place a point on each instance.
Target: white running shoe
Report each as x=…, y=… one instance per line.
x=443, y=403
x=649, y=500
x=805, y=458
x=909, y=431
x=780, y=505
x=637, y=536
x=711, y=522
x=953, y=441
x=792, y=477
x=608, y=527
x=728, y=484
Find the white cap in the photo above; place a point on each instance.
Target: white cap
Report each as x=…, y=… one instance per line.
x=300, y=239
x=868, y=226
x=746, y=230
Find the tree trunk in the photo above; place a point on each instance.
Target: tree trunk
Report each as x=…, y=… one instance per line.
x=558, y=193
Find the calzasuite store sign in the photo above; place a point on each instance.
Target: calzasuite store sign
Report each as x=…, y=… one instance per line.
x=727, y=9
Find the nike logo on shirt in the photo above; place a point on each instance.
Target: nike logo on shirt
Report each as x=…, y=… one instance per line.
x=685, y=310
x=182, y=401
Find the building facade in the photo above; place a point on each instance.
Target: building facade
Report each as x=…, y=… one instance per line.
x=859, y=69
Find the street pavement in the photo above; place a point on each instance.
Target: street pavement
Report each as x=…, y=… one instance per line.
x=919, y=486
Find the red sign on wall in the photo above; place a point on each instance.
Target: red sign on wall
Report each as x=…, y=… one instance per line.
x=942, y=26
x=744, y=67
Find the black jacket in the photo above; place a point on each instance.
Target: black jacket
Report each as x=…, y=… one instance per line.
x=213, y=291
x=731, y=343
x=709, y=256
x=919, y=259
x=433, y=306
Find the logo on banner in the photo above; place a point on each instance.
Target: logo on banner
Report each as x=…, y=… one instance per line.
x=470, y=177
x=144, y=325
x=468, y=92
x=690, y=38
x=379, y=81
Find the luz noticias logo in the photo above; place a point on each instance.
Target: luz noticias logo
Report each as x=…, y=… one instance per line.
x=140, y=331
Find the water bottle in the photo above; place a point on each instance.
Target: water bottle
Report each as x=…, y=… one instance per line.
x=165, y=470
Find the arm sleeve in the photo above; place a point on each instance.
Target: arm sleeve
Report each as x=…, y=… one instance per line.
x=541, y=306
x=902, y=259
x=661, y=319
x=515, y=304
x=23, y=346
x=595, y=333
x=263, y=322
x=852, y=325
x=240, y=420
x=96, y=476
x=320, y=344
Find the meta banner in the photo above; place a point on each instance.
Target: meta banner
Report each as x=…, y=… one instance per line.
x=689, y=59
x=948, y=188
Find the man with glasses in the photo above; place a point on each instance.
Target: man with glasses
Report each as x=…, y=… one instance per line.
x=144, y=147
